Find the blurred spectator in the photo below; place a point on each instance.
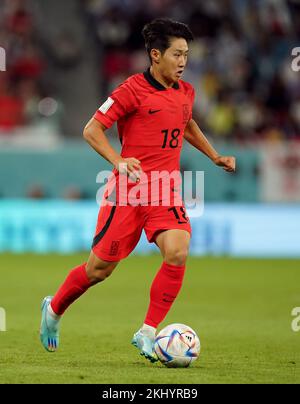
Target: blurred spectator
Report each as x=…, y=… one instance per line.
x=73, y=193
x=222, y=118
x=64, y=50
x=239, y=64
x=29, y=94
x=36, y=191
x=11, y=107
x=240, y=61
x=20, y=86
x=18, y=19
x=29, y=64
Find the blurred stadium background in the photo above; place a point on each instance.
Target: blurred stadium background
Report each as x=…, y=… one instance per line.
x=64, y=58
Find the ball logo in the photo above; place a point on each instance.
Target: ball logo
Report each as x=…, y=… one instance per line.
x=296, y=61
x=2, y=60
x=296, y=322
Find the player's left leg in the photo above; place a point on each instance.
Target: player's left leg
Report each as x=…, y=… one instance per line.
x=174, y=246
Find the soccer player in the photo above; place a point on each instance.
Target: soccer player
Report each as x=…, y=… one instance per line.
x=154, y=113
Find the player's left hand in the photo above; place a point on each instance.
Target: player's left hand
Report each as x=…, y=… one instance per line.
x=226, y=162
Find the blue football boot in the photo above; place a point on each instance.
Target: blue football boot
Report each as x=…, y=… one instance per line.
x=145, y=345
x=49, y=330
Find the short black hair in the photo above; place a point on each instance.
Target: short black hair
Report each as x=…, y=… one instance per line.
x=157, y=34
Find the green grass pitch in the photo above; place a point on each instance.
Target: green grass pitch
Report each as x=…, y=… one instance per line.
x=240, y=308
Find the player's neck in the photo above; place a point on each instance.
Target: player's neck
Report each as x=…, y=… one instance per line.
x=160, y=78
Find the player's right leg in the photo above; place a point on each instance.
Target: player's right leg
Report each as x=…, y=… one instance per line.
x=117, y=232
x=77, y=282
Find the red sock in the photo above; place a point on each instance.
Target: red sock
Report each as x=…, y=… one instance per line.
x=74, y=286
x=164, y=290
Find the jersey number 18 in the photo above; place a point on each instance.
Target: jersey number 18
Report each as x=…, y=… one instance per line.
x=173, y=141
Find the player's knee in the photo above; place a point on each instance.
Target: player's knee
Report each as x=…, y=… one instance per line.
x=176, y=256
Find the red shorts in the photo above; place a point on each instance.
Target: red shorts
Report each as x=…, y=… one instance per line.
x=119, y=228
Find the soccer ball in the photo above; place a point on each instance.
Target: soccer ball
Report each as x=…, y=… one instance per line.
x=177, y=346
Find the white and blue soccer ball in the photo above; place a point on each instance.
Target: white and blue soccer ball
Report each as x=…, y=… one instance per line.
x=177, y=346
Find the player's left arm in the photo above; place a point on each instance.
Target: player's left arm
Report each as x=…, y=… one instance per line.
x=194, y=135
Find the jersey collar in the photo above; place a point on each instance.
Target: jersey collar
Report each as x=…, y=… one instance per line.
x=151, y=80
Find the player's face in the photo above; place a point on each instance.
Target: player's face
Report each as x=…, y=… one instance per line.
x=173, y=61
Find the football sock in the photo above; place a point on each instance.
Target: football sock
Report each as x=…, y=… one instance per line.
x=148, y=330
x=164, y=290
x=51, y=313
x=76, y=283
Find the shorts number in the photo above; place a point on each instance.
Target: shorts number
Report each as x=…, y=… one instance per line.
x=179, y=215
x=173, y=142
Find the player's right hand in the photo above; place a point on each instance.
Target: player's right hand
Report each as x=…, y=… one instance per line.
x=131, y=167
x=226, y=162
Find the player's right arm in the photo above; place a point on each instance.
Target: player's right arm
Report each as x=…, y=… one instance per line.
x=94, y=134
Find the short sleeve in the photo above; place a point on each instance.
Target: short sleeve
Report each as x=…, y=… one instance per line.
x=121, y=102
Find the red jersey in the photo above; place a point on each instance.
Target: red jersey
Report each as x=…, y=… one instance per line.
x=151, y=120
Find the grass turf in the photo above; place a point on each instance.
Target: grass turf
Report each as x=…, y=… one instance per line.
x=241, y=310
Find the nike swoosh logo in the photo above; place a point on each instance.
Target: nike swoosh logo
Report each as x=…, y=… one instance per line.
x=153, y=111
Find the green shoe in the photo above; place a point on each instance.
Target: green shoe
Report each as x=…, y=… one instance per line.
x=145, y=345
x=49, y=330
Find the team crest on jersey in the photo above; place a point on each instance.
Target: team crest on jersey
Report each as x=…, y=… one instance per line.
x=185, y=113
x=107, y=104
